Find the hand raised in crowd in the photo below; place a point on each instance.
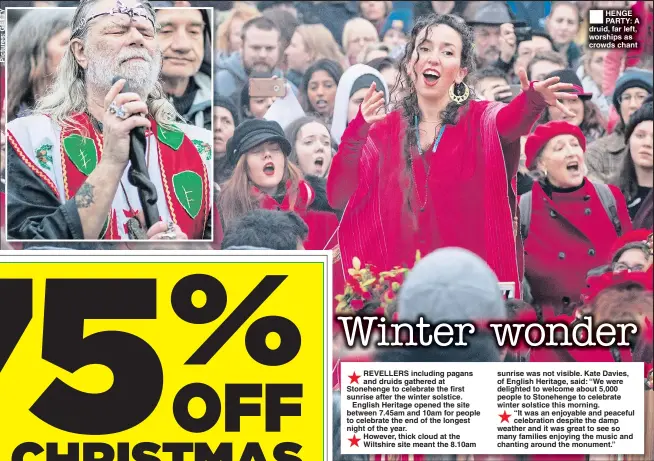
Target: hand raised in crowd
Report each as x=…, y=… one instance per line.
x=551, y=90
x=372, y=107
x=508, y=43
x=117, y=127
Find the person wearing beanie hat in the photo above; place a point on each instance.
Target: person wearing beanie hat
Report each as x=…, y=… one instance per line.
x=263, y=177
x=586, y=113
x=606, y=155
x=636, y=173
x=569, y=230
x=396, y=30
x=225, y=120
x=626, y=99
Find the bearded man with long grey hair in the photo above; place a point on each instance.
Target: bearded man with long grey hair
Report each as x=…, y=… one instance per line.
x=68, y=163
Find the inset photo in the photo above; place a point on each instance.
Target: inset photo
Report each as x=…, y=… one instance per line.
x=109, y=122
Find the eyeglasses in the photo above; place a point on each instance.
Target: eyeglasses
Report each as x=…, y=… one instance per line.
x=137, y=13
x=640, y=97
x=622, y=267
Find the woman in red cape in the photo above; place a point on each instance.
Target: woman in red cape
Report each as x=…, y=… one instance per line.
x=440, y=171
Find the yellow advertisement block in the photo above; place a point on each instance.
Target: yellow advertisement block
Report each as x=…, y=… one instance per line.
x=110, y=356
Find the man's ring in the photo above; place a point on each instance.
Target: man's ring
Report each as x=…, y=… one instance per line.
x=169, y=236
x=118, y=111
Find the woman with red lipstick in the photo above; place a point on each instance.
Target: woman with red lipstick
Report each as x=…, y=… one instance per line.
x=263, y=177
x=570, y=231
x=440, y=171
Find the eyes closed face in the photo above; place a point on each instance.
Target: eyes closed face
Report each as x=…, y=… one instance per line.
x=436, y=61
x=265, y=165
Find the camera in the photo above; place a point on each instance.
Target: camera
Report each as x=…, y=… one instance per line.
x=522, y=34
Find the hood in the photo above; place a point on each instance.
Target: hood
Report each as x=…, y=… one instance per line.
x=339, y=120
x=234, y=65
x=451, y=284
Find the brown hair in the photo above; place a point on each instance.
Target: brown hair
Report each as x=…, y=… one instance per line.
x=240, y=11
x=593, y=125
x=549, y=56
x=236, y=197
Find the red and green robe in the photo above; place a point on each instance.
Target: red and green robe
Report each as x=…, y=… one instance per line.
x=50, y=164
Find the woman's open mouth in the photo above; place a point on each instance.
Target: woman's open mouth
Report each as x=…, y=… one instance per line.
x=269, y=169
x=573, y=167
x=431, y=77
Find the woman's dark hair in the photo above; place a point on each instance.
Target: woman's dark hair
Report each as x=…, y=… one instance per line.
x=293, y=129
x=409, y=103
x=334, y=70
x=626, y=178
x=593, y=126
x=404, y=86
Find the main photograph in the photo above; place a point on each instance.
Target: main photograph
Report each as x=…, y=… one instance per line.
x=109, y=123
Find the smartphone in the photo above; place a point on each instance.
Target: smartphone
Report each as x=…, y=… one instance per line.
x=267, y=87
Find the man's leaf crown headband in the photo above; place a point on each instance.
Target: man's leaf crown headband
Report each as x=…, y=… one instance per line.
x=120, y=8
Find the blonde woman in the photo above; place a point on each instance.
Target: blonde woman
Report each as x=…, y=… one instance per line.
x=357, y=34
x=311, y=43
x=228, y=35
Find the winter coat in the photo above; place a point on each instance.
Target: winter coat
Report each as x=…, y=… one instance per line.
x=570, y=233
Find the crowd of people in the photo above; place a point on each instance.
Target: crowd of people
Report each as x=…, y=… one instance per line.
x=373, y=129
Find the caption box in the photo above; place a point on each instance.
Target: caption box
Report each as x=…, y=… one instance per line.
x=492, y=408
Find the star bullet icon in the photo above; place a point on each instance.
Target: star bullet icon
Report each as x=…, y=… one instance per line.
x=505, y=417
x=354, y=378
x=354, y=442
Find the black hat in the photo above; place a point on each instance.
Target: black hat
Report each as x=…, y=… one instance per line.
x=569, y=76
x=643, y=114
x=253, y=133
x=221, y=101
x=632, y=77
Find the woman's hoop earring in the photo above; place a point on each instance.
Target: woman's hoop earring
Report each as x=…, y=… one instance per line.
x=457, y=94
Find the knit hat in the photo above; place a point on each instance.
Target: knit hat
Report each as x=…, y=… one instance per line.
x=399, y=20
x=221, y=101
x=632, y=78
x=542, y=135
x=634, y=236
x=569, y=76
x=451, y=284
x=253, y=133
x=643, y=114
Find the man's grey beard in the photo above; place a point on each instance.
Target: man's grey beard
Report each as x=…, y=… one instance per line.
x=141, y=76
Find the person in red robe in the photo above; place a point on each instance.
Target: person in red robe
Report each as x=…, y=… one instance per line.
x=440, y=171
x=263, y=177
